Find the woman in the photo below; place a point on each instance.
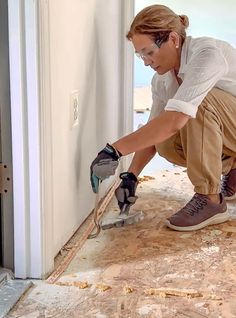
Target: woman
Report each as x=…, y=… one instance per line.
x=192, y=121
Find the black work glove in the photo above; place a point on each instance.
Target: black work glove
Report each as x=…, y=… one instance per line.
x=104, y=166
x=125, y=193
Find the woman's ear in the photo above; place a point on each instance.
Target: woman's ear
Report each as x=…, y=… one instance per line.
x=174, y=37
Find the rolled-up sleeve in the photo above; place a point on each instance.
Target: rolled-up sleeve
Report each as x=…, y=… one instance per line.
x=205, y=68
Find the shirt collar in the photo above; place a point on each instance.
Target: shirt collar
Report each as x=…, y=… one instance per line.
x=184, y=55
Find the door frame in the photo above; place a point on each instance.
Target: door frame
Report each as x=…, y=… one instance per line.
x=7, y=242
x=31, y=138
x=127, y=75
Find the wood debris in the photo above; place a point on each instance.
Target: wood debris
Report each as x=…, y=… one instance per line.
x=83, y=237
x=64, y=283
x=213, y=297
x=145, y=178
x=191, y=314
x=81, y=285
x=189, y=293
x=164, y=293
x=229, y=229
x=128, y=290
x=102, y=287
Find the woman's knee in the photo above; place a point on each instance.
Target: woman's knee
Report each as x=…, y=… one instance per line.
x=172, y=151
x=164, y=149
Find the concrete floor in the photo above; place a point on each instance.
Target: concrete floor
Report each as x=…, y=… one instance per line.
x=146, y=270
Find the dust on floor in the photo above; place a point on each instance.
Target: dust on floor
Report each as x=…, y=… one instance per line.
x=146, y=269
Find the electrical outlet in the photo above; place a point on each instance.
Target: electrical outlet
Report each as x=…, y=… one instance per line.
x=74, y=108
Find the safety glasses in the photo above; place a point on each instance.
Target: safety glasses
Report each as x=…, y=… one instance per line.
x=147, y=53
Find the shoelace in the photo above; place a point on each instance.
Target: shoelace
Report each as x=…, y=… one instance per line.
x=225, y=190
x=195, y=204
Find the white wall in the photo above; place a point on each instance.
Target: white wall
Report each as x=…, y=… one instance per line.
x=56, y=47
x=86, y=42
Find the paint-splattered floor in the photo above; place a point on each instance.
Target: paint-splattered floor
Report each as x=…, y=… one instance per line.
x=146, y=270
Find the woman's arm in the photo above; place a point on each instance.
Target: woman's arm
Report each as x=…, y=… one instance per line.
x=154, y=132
x=141, y=159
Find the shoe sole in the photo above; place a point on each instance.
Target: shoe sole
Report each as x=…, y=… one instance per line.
x=216, y=219
x=232, y=197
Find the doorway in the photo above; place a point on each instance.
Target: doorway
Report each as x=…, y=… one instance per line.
x=6, y=197
x=142, y=105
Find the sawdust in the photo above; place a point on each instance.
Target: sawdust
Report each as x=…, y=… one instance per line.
x=211, y=236
x=73, y=275
x=229, y=229
x=166, y=273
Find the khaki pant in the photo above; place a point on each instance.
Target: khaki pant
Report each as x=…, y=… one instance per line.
x=206, y=145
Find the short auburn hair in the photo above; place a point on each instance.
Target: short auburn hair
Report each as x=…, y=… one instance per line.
x=158, y=18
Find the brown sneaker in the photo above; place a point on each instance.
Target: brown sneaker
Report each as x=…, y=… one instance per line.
x=228, y=185
x=199, y=212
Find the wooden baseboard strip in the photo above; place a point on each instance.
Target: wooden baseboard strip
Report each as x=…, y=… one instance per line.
x=89, y=228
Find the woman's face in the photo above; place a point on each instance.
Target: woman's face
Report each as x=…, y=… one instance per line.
x=162, y=59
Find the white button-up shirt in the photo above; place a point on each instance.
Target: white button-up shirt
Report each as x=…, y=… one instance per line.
x=205, y=63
